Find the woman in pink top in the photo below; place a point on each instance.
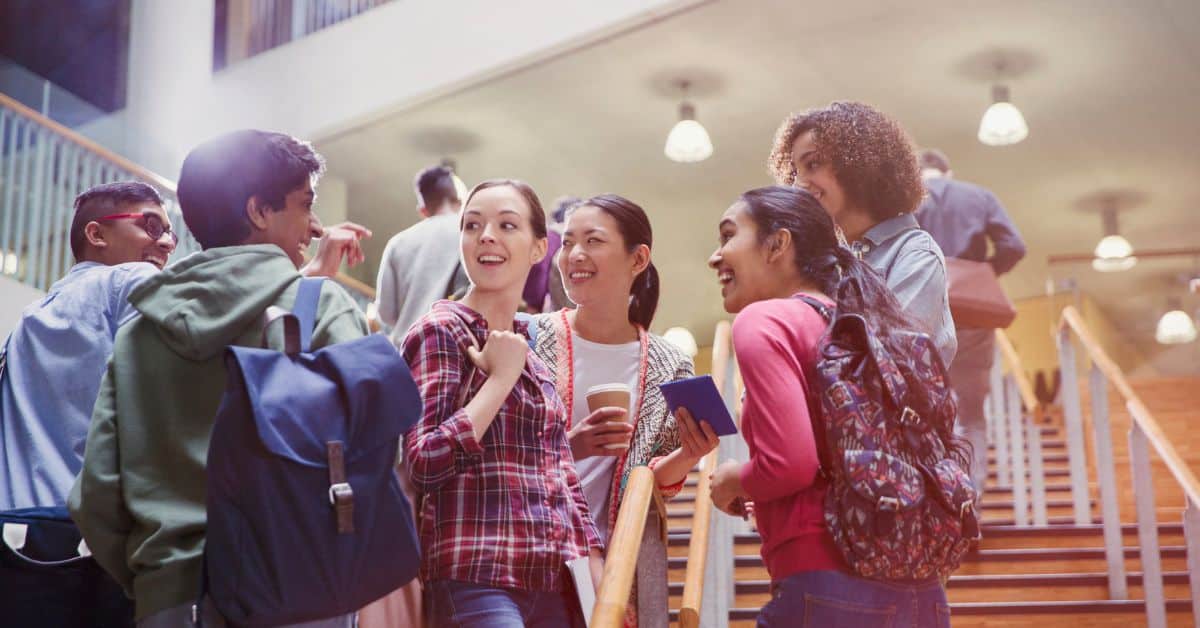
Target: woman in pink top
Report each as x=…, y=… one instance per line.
x=776, y=243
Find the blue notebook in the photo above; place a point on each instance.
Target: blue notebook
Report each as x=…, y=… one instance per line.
x=699, y=395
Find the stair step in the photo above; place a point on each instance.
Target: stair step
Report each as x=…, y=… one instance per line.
x=1046, y=444
x=1008, y=488
x=1059, y=608
x=1064, y=553
x=1050, y=473
x=1046, y=459
x=1007, y=504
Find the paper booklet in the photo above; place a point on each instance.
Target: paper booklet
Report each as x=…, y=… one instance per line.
x=581, y=576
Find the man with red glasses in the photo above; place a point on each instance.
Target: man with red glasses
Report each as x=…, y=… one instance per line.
x=54, y=360
x=120, y=236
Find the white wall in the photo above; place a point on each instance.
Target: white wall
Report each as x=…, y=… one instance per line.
x=14, y=298
x=389, y=58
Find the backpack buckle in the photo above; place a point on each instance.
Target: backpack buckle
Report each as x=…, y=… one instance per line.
x=888, y=502
x=909, y=416
x=341, y=497
x=339, y=493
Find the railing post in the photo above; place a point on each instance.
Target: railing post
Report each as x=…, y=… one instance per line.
x=299, y=18
x=1110, y=515
x=719, y=582
x=1013, y=405
x=995, y=408
x=1191, y=534
x=1143, y=492
x=1037, y=474
x=1073, y=417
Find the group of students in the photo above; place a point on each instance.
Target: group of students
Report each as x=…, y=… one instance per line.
x=516, y=475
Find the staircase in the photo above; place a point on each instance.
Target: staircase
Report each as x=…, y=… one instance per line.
x=1053, y=575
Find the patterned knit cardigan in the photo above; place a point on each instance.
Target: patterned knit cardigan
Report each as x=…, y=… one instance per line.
x=655, y=435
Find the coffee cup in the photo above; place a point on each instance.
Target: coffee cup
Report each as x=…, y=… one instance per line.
x=616, y=395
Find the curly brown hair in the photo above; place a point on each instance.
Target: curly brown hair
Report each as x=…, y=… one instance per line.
x=872, y=157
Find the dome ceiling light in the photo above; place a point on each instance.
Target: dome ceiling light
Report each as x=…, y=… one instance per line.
x=688, y=141
x=1113, y=253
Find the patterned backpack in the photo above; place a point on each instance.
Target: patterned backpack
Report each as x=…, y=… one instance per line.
x=898, y=507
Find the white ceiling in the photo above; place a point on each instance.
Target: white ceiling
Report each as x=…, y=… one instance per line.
x=1110, y=88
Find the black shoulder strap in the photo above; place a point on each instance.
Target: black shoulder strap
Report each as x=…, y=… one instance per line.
x=821, y=308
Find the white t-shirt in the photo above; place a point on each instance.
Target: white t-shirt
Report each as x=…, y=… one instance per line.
x=597, y=364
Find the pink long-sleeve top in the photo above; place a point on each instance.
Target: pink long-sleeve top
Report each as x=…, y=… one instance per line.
x=776, y=346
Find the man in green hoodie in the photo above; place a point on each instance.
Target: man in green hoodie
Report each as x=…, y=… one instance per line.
x=247, y=196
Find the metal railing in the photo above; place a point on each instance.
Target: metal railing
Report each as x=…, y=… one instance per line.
x=247, y=28
x=709, y=583
x=1014, y=425
x=620, y=564
x=1144, y=432
x=43, y=167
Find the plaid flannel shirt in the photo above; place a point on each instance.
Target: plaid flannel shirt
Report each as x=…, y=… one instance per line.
x=507, y=511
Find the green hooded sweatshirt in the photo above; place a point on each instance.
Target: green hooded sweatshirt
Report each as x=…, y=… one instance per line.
x=140, y=499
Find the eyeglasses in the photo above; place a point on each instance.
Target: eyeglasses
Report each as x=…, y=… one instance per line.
x=152, y=224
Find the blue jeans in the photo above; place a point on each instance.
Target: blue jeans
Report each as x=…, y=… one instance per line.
x=833, y=598
x=453, y=604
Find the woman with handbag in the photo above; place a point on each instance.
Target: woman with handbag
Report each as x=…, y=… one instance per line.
x=778, y=254
x=860, y=165
x=502, y=508
x=606, y=269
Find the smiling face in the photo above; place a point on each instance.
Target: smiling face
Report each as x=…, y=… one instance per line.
x=595, y=262
x=741, y=260
x=126, y=239
x=294, y=226
x=498, y=244
x=814, y=173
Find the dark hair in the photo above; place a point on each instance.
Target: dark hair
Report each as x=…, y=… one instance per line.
x=872, y=157
x=635, y=229
x=934, y=158
x=103, y=200
x=562, y=205
x=838, y=273
x=434, y=186
x=537, y=215
x=220, y=176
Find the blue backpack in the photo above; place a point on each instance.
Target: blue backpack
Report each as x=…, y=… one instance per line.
x=306, y=519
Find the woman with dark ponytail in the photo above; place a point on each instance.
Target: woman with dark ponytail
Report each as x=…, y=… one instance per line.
x=606, y=269
x=778, y=243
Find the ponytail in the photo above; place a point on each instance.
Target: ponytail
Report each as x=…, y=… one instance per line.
x=643, y=297
x=635, y=230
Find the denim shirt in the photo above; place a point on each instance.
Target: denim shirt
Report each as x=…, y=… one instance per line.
x=56, y=358
x=912, y=265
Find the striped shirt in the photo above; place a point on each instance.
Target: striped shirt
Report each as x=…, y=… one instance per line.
x=507, y=510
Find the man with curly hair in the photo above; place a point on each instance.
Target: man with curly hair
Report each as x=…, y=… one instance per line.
x=860, y=165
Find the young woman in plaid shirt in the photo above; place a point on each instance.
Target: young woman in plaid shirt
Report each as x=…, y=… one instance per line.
x=606, y=268
x=502, y=506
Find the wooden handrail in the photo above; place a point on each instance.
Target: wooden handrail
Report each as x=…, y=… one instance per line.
x=89, y=145
x=621, y=561
x=693, y=583
x=347, y=280
x=136, y=170
x=1133, y=403
x=1018, y=372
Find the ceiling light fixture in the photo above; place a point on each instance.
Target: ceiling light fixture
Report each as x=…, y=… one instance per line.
x=1113, y=253
x=682, y=338
x=1175, y=327
x=1002, y=123
x=688, y=141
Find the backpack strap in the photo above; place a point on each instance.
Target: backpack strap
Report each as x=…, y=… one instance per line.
x=821, y=308
x=305, y=308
